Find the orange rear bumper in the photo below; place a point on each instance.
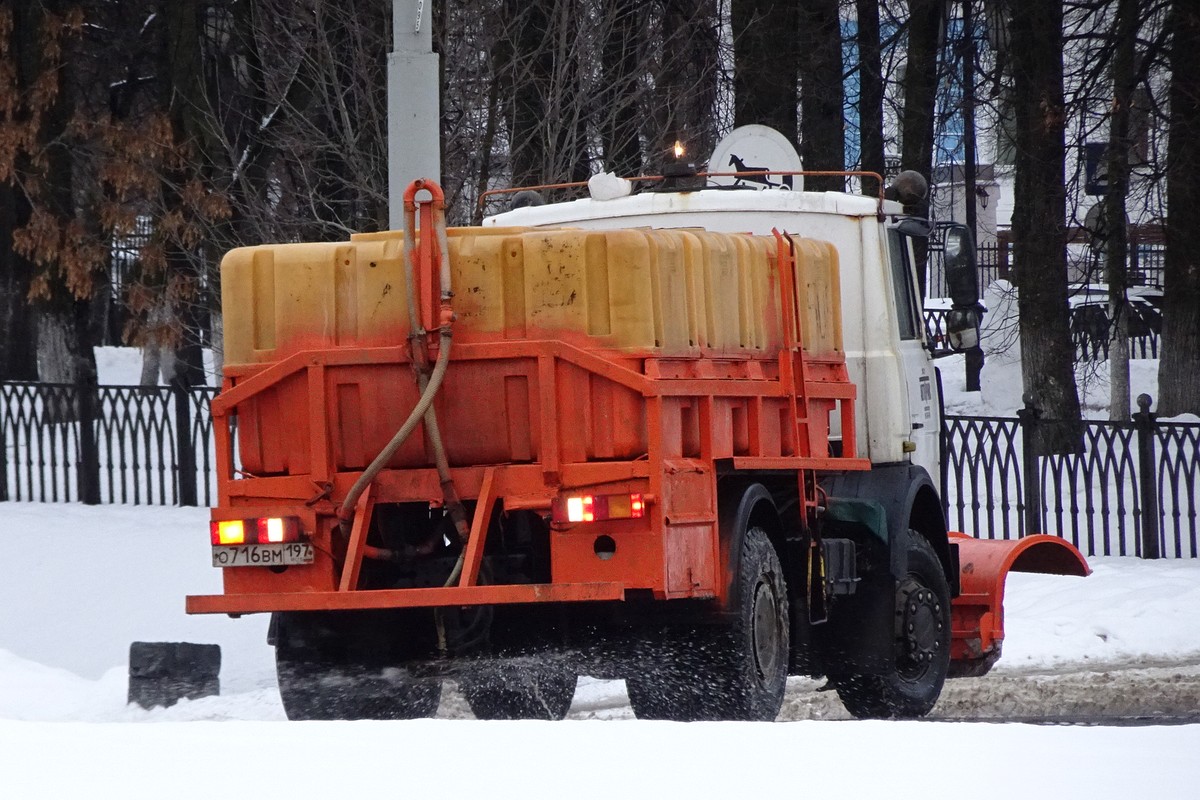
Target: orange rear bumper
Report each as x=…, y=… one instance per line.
x=403, y=598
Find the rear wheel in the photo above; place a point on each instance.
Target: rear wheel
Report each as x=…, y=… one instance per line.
x=319, y=690
x=512, y=692
x=679, y=673
x=921, y=655
x=736, y=671
x=319, y=679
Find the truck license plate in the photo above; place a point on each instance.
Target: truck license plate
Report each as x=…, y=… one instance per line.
x=263, y=555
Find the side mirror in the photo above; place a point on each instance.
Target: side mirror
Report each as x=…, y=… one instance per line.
x=962, y=328
x=958, y=261
x=962, y=279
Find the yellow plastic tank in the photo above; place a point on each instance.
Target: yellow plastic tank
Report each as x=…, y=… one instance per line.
x=672, y=292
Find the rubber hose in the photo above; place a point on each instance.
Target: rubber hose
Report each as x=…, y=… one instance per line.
x=454, y=506
x=418, y=412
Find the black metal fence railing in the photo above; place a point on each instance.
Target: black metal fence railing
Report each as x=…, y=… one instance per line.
x=113, y=444
x=1089, y=328
x=1091, y=331
x=1146, y=254
x=935, y=329
x=1132, y=490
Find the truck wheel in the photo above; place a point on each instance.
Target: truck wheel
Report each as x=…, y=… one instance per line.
x=735, y=672
x=673, y=677
x=319, y=680
x=321, y=690
x=910, y=688
x=514, y=693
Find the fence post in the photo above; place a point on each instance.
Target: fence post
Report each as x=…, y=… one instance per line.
x=1002, y=245
x=185, y=451
x=1031, y=477
x=88, y=478
x=1147, y=476
x=1135, y=268
x=3, y=447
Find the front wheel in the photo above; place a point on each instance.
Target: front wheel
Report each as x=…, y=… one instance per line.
x=921, y=657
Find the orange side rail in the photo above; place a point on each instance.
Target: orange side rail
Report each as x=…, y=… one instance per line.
x=548, y=351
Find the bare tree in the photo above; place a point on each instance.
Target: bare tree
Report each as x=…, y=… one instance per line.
x=56, y=252
x=1179, y=370
x=618, y=120
x=684, y=82
x=766, y=65
x=1125, y=27
x=870, y=98
x=925, y=27
x=1039, y=227
x=822, y=140
x=20, y=51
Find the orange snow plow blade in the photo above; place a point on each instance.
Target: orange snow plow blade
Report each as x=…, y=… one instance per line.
x=977, y=614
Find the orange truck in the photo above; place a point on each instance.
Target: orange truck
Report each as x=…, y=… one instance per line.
x=622, y=438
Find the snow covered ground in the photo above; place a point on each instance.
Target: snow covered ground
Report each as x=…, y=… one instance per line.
x=78, y=584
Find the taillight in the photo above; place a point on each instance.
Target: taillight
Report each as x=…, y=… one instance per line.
x=278, y=529
x=593, y=508
x=229, y=531
x=260, y=530
x=581, y=509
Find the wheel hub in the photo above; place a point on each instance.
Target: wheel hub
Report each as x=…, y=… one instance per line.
x=919, y=625
x=766, y=631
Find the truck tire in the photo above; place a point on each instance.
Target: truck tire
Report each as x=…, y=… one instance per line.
x=516, y=693
x=319, y=680
x=731, y=672
x=324, y=691
x=921, y=661
x=673, y=679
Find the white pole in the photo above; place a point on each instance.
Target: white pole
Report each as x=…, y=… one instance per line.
x=414, y=128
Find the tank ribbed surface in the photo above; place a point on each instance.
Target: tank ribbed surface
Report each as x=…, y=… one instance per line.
x=671, y=292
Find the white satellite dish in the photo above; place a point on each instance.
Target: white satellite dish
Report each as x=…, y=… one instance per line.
x=752, y=148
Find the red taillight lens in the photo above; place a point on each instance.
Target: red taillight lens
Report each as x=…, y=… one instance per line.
x=261, y=530
x=228, y=531
x=637, y=507
x=593, y=508
x=278, y=529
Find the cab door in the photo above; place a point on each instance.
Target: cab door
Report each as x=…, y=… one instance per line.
x=924, y=413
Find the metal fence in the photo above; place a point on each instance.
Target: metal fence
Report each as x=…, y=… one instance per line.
x=109, y=444
x=1146, y=253
x=1131, y=490
x=1089, y=327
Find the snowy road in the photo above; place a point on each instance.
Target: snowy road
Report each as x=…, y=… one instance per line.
x=78, y=584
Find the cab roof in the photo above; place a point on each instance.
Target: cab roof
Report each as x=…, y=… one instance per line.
x=704, y=200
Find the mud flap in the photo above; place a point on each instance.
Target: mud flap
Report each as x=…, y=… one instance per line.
x=977, y=614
